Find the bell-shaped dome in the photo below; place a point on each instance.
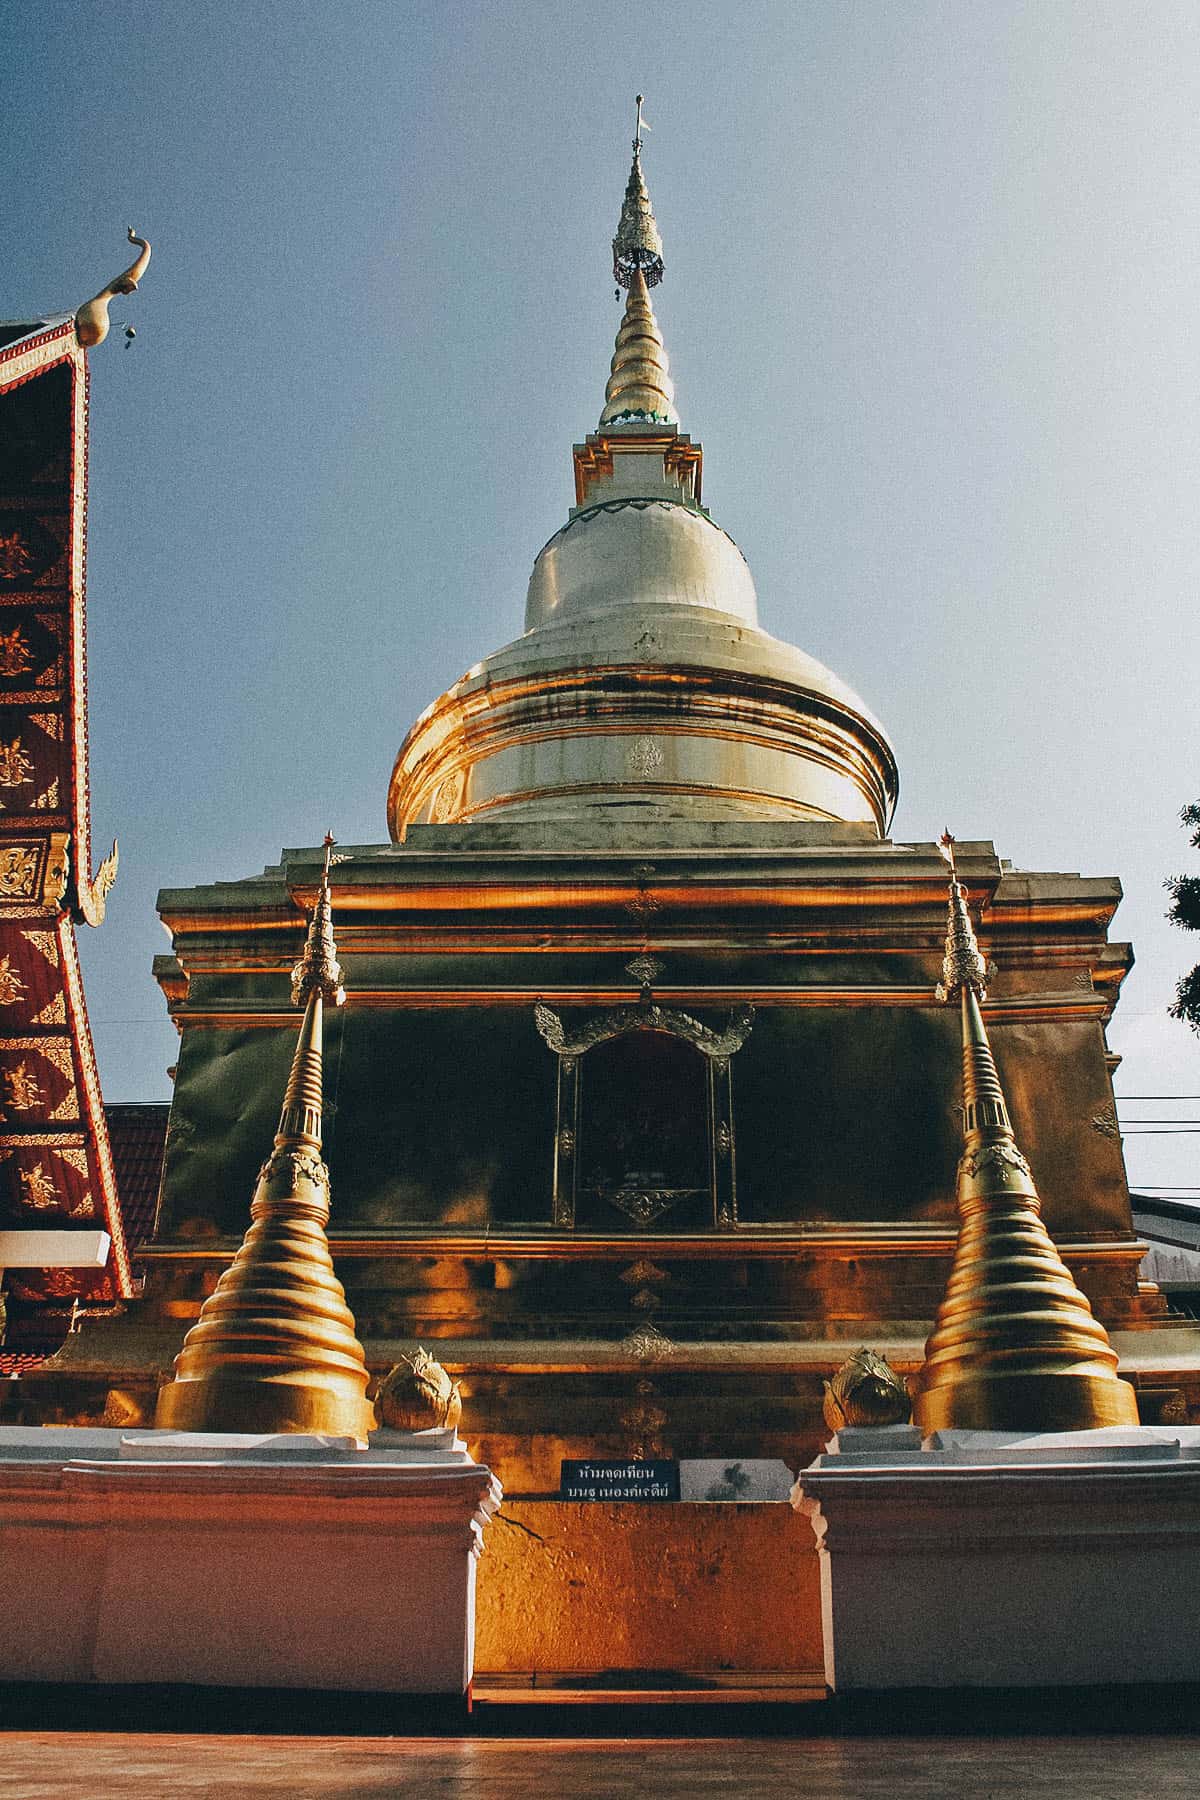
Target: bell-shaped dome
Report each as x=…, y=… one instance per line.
x=641, y=552
x=678, y=713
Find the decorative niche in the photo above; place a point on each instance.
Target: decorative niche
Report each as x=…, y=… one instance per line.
x=644, y=1131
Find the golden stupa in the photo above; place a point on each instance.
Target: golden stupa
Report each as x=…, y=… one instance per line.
x=274, y=1348
x=1015, y=1346
x=637, y=960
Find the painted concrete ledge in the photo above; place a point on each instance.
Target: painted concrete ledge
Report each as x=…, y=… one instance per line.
x=994, y=1560
x=232, y=1561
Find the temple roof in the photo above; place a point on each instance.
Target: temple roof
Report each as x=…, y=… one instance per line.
x=13, y=330
x=137, y=1134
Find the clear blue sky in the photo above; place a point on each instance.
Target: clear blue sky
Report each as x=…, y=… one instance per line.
x=933, y=278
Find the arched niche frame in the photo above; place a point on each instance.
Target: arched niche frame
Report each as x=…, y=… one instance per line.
x=643, y=1202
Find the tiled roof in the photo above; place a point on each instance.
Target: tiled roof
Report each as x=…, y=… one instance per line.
x=15, y=1362
x=138, y=1135
x=1166, y=1221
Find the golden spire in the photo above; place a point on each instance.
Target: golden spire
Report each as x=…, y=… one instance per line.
x=1015, y=1346
x=639, y=386
x=274, y=1348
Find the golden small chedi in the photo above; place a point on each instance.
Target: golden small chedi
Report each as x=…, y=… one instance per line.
x=274, y=1348
x=1015, y=1346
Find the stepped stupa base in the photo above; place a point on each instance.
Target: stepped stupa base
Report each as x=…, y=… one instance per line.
x=1066, y=1402
x=263, y=1406
x=1003, y=1560
x=230, y=1560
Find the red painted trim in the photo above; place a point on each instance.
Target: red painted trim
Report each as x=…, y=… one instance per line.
x=40, y=340
x=91, y=1109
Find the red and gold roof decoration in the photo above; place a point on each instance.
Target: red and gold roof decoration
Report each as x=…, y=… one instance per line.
x=55, y=1160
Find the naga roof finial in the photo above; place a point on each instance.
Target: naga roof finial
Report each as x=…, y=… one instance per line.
x=91, y=321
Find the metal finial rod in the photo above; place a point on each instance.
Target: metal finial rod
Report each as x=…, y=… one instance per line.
x=946, y=845
x=962, y=966
x=637, y=246
x=318, y=971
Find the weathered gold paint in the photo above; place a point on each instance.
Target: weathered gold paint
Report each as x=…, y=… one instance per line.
x=691, y=1587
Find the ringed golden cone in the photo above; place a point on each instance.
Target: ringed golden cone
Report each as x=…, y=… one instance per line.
x=639, y=385
x=1015, y=1346
x=274, y=1348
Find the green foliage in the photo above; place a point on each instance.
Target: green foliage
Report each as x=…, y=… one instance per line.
x=1185, y=910
x=1185, y=901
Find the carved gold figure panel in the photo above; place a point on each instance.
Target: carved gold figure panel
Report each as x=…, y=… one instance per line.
x=16, y=653
x=22, y=1090
x=12, y=988
x=16, y=764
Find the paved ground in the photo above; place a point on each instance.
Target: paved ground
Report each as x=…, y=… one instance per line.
x=52, y=1765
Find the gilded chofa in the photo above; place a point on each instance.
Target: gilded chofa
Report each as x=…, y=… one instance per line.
x=91, y=321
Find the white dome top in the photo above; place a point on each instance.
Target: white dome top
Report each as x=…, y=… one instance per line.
x=639, y=552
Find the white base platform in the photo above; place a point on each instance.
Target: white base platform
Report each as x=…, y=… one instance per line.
x=988, y=1559
x=220, y=1560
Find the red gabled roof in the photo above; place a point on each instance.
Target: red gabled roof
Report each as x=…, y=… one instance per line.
x=137, y=1134
x=56, y=1149
x=28, y=348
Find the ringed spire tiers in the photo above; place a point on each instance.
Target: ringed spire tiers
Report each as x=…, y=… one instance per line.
x=639, y=389
x=1015, y=1346
x=274, y=1348
x=643, y=688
